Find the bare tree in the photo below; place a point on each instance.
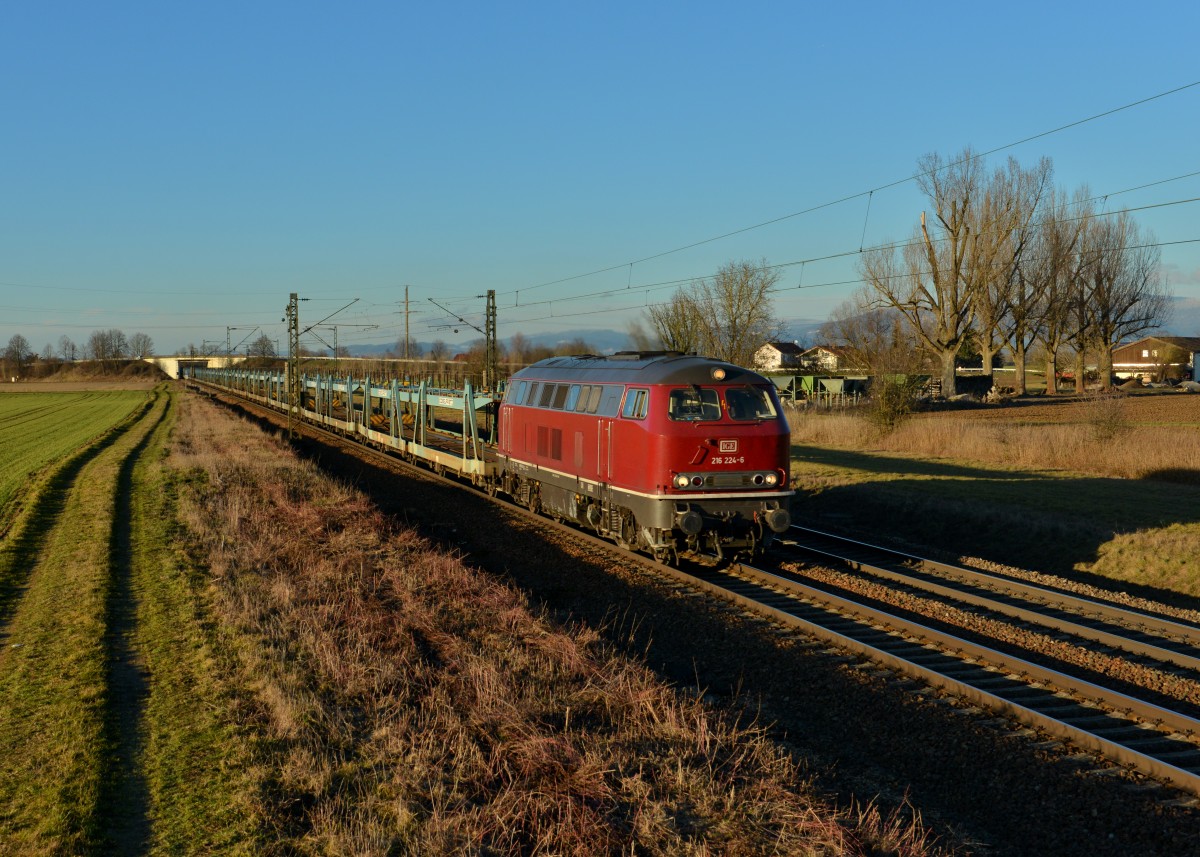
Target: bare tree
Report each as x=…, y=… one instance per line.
x=141, y=345
x=18, y=352
x=727, y=316
x=678, y=323
x=882, y=340
x=264, y=346
x=1126, y=294
x=410, y=349
x=876, y=337
x=932, y=287
x=107, y=344
x=1064, y=318
x=737, y=306
x=1036, y=305
x=519, y=348
x=438, y=351
x=67, y=349
x=640, y=339
x=1003, y=229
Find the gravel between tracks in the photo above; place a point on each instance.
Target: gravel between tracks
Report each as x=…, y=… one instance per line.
x=1029, y=641
x=982, y=783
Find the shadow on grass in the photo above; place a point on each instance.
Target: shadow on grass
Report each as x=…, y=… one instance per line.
x=1176, y=475
x=124, y=803
x=1048, y=522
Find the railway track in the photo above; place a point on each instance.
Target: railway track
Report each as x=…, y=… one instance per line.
x=1157, y=740
x=1160, y=740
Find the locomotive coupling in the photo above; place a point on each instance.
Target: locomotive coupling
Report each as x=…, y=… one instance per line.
x=778, y=520
x=691, y=522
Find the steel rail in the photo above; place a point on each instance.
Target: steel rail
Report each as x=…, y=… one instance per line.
x=1131, y=630
x=963, y=668
x=969, y=670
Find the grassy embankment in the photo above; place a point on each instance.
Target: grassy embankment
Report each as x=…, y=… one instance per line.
x=1105, y=486
x=110, y=723
x=414, y=705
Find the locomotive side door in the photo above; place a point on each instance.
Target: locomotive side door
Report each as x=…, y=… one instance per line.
x=604, y=450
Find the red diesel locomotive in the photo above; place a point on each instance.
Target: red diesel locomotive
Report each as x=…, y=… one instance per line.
x=663, y=452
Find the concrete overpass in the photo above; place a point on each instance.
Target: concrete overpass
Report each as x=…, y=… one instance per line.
x=172, y=365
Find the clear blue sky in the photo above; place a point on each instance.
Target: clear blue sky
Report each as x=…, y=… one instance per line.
x=180, y=168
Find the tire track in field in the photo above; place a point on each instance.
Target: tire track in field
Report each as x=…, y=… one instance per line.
x=20, y=551
x=125, y=802
x=59, y=704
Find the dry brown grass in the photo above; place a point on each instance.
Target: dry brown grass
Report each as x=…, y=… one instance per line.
x=1101, y=436
x=1103, y=484
x=410, y=704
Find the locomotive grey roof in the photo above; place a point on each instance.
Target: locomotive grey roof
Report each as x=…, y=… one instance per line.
x=634, y=367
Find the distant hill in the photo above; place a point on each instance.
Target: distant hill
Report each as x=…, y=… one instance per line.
x=802, y=330
x=1185, y=321
x=1185, y=318
x=603, y=341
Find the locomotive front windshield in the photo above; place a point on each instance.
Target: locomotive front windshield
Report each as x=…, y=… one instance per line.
x=694, y=404
x=749, y=403
x=703, y=404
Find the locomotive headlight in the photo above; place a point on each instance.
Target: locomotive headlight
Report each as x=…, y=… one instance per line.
x=772, y=479
x=718, y=373
x=682, y=480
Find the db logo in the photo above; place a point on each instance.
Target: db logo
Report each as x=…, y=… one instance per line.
x=728, y=446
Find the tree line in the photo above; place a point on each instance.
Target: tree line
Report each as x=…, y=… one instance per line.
x=110, y=344
x=1004, y=259
x=1000, y=259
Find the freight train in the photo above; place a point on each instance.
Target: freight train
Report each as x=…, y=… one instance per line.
x=661, y=452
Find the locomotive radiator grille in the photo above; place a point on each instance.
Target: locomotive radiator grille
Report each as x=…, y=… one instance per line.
x=729, y=480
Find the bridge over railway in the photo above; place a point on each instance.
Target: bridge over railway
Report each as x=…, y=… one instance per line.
x=174, y=365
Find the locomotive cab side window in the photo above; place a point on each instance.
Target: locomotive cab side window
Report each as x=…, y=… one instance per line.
x=749, y=403
x=610, y=400
x=694, y=404
x=635, y=404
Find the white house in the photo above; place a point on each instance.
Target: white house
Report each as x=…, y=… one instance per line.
x=828, y=358
x=777, y=355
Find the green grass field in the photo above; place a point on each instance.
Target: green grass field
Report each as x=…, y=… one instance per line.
x=113, y=738
x=41, y=430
